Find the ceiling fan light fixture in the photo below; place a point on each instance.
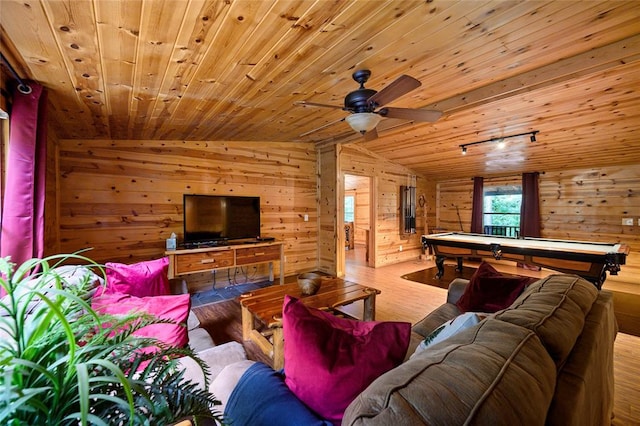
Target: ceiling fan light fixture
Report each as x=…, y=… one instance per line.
x=363, y=121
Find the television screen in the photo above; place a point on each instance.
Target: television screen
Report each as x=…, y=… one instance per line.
x=220, y=217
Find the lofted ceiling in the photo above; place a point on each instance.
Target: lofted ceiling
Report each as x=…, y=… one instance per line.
x=234, y=70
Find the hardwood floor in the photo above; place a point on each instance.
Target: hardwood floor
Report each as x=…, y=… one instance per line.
x=404, y=300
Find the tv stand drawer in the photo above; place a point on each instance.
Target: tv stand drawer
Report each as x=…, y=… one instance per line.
x=204, y=261
x=245, y=256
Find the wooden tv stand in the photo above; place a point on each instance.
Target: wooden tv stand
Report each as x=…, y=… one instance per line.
x=190, y=261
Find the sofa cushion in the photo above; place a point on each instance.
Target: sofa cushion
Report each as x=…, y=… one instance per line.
x=489, y=290
x=329, y=360
x=174, y=308
x=192, y=321
x=493, y=373
x=225, y=382
x=555, y=309
x=142, y=279
x=200, y=339
x=216, y=358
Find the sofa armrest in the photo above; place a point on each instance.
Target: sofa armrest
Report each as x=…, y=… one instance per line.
x=456, y=289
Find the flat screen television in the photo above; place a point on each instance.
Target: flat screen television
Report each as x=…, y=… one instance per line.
x=220, y=217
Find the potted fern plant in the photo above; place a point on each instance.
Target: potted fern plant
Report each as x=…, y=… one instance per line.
x=61, y=362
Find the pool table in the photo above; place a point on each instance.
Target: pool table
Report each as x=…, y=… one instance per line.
x=589, y=260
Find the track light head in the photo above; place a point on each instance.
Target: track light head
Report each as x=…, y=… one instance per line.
x=464, y=150
x=533, y=137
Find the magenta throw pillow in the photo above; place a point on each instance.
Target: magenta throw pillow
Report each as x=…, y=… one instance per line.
x=490, y=291
x=328, y=360
x=140, y=279
x=175, y=308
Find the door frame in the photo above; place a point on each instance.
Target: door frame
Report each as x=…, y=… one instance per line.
x=373, y=209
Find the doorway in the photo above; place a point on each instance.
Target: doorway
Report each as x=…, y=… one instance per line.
x=358, y=208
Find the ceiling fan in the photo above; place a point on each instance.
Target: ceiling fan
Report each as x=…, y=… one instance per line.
x=367, y=106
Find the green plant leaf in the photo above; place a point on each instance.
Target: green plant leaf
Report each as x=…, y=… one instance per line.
x=64, y=363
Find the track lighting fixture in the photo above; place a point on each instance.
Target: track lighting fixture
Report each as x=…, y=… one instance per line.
x=500, y=140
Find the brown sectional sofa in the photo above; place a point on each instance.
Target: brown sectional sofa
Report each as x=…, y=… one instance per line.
x=547, y=359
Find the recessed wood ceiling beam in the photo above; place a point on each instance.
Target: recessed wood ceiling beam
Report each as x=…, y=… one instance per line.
x=615, y=54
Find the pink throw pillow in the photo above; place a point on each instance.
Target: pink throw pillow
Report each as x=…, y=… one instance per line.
x=140, y=279
x=328, y=360
x=175, y=308
x=490, y=291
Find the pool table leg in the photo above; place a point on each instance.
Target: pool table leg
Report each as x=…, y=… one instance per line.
x=440, y=266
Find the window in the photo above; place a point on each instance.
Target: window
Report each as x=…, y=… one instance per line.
x=349, y=208
x=501, y=210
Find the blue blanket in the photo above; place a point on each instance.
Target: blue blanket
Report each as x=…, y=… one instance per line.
x=262, y=398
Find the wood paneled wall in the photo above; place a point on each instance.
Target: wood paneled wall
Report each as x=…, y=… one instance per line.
x=124, y=198
x=362, y=213
x=361, y=190
x=583, y=205
x=388, y=177
x=328, y=193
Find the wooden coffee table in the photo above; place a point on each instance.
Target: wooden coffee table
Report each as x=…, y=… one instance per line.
x=262, y=310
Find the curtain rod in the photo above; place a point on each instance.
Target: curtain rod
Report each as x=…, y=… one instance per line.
x=23, y=87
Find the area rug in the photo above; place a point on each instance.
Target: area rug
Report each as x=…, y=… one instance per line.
x=428, y=276
x=217, y=295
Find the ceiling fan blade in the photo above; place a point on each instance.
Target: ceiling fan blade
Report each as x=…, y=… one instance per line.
x=424, y=115
x=307, y=103
x=322, y=127
x=371, y=135
x=401, y=86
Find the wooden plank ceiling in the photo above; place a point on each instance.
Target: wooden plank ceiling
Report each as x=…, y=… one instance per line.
x=233, y=70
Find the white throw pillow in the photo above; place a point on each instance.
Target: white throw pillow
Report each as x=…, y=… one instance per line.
x=448, y=329
x=72, y=275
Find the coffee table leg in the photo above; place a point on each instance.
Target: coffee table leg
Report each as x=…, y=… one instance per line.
x=278, y=348
x=369, y=313
x=247, y=323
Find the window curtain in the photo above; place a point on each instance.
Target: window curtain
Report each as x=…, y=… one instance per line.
x=23, y=210
x=530, y=207
x=477, y=206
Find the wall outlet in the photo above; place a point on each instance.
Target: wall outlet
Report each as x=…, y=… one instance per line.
x=400, y=248
x=306, y=218
x=627, y=221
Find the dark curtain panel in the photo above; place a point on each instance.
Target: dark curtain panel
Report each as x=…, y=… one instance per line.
x=530, y=207
x=477, y=206
x=23, y=210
